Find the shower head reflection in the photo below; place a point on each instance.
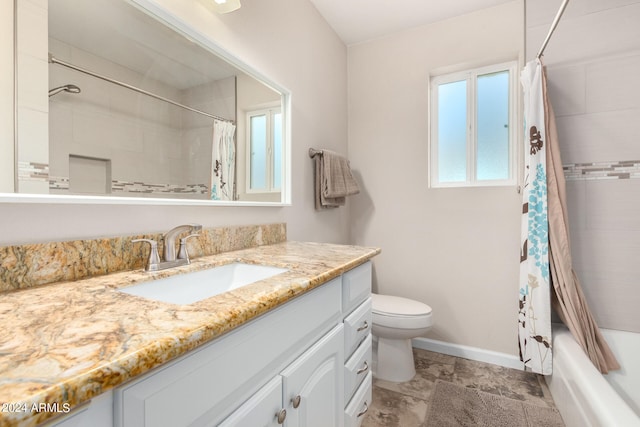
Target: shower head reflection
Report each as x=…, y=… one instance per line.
x=66, y=88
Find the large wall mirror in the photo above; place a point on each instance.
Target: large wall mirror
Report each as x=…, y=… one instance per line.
x=119, y=104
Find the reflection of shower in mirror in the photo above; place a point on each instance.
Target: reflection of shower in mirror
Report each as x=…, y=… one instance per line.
x=66, y=88
x=139, y=133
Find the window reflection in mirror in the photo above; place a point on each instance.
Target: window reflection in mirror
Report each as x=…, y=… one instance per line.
x=167, y=115
x=264, y=164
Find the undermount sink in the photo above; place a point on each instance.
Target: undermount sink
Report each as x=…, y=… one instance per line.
x=193, y=287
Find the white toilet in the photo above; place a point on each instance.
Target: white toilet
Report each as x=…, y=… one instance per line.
x=396, y=321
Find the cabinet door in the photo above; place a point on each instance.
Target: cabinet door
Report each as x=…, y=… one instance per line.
x=263, y=409
x=97, y=413
x=313, y=385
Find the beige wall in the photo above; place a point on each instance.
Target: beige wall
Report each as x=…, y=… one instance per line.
x=6, y=96
x=455, y=249
x=289, y=42
x=593, y=64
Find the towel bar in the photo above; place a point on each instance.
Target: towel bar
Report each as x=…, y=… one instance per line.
x=313, y=152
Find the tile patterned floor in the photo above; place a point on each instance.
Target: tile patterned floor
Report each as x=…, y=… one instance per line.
x=407, y=404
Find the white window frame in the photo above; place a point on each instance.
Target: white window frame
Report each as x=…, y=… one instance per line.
x=269, y=112
x=471, y=76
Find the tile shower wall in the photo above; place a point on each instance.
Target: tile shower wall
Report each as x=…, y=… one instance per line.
x=33, y=106
x=593, y=64
x=149, y=146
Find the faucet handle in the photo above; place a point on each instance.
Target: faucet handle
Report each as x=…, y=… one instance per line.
x=182, y=252
x=154, y=258
x=170, y=238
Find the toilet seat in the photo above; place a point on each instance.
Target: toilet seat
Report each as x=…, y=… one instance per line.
x=397, y=312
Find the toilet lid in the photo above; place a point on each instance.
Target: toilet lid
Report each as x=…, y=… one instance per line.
x=387, y=305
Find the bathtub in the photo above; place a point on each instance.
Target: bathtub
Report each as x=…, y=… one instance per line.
x=585, y=397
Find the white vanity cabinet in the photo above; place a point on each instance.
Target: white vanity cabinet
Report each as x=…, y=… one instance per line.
x=286, y=367
x=314, y=394
x=96, y=413
x=203, y=387
x=356, y=307
x=309, y=392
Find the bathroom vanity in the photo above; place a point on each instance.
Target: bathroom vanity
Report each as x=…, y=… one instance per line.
x=292, y=350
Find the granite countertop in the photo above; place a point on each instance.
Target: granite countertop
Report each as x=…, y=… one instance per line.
x=68, y=342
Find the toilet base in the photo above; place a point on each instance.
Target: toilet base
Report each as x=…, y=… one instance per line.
x=394, y=360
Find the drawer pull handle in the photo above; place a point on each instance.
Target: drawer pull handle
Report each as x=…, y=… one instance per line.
x=366, y=408
x=296, y=401
x=364, y=326
x=365, y=368
x=281, y=415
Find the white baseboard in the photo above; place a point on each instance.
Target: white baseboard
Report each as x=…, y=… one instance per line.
x=466, y=352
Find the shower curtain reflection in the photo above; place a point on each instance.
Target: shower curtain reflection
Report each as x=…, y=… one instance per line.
x=223, y=162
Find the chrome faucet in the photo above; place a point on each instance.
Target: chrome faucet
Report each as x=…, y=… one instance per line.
x=170, y=260
x=170, y=239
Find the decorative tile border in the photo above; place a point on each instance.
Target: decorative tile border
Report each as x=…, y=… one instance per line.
x=58, y=183
x=25, y=266
x=61, y=183
x=141, y=187
x=32, y=171
x=624, y=169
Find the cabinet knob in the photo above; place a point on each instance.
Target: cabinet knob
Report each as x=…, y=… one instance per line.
x=296, y=401
x=281, y=415
x=364, y=326
x=364, y=368
x=364, y=411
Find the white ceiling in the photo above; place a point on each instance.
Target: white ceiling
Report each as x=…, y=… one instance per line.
x=105, y=27
x=356, y=21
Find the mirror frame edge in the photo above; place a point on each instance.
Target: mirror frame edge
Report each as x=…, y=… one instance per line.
x=165, y=17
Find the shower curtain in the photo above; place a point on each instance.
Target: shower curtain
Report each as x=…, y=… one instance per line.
x=534, y=317
x=223, y=161
x=567, y=299
x=546, y=252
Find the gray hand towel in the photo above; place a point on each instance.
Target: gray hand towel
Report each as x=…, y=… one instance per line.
x=333, y=180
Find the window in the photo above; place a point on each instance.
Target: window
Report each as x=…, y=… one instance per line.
x=473, y=128
x=264, y=151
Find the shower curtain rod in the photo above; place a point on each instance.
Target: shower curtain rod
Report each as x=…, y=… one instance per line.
x=54, y=60
x=554, y=24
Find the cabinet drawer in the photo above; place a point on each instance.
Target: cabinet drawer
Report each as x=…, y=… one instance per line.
x=357, y=368
x=356, y=286
x=357, y=326
x=359, y=405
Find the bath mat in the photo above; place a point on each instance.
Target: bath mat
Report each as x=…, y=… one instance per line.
x=455, y=405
